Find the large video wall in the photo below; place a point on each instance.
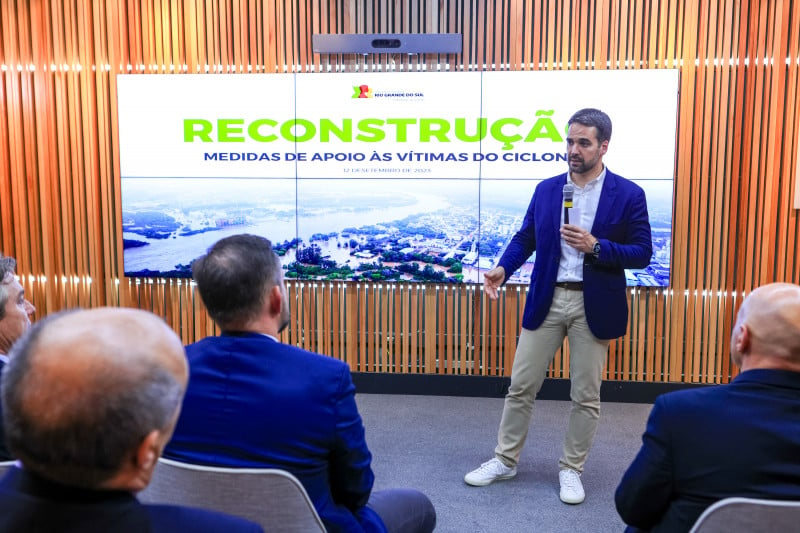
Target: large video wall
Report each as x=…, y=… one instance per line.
x=375, y=176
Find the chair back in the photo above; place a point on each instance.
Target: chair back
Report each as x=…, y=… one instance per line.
x=749, y=515
x=5, y=465
x=273, y=498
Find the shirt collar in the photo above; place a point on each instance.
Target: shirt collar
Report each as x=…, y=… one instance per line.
x=248, y=334
x=596, y=182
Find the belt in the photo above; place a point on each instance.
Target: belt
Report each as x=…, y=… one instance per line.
x=570, y=285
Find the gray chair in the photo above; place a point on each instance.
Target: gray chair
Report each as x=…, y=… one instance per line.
x=275, y=499
x=5, y=465
x=749, y=515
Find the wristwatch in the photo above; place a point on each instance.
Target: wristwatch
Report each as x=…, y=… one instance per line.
x=596, y=249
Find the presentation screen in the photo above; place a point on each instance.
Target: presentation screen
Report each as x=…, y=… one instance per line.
x=374, y=176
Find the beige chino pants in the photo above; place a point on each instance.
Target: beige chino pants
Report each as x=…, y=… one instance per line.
x=535, y=351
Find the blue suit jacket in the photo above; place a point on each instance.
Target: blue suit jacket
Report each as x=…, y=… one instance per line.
x=623, y=229
x=703, y=445
x=254, y=402
x=35, y=505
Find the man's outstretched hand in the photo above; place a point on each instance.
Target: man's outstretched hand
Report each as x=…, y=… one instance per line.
x=492, y=281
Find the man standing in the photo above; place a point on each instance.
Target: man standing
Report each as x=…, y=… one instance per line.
x=91, y=399
x=15, y=312
x=577, y=290
x=743, y=439
x=255, y=402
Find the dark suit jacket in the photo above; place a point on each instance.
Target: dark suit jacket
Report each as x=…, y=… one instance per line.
x=623, y=229
x=34, y=505
x=254, y=402
x=703, y=445
x=5, y=455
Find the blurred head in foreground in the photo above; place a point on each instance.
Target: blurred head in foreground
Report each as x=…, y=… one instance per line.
x=91, y=397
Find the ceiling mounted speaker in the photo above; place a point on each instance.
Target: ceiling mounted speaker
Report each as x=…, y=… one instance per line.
x=387, y=43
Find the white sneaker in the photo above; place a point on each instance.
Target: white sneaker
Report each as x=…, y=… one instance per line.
x=492, y=470
x=571, y=486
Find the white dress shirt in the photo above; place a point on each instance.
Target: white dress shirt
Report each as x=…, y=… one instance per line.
x=584, y=208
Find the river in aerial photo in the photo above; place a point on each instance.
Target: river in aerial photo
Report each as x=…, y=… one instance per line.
x=209, y=211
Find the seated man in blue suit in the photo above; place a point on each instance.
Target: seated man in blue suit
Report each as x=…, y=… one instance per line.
x=255, y=402
x=15, y=312
x=741, y=439
x=91, y=399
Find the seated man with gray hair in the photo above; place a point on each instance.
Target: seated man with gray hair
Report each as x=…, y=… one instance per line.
x=15, y=311
x=91, y=398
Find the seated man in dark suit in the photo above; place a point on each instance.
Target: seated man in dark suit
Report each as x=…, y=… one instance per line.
x=15, y=312
x=255, y=402
x=91, y=399
x=742, y=439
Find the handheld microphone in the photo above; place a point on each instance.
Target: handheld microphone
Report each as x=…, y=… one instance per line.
x=568, y=192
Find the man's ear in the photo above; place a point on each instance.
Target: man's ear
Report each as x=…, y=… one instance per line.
x=275, y=300
x=137, y=469
x=742, y=339
x=148, y=451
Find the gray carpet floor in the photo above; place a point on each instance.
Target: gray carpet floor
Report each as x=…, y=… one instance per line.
x=430, y=442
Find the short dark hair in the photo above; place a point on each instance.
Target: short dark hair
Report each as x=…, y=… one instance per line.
x=7, y=267
x=591, y=117
x=234, y=277
x=87, y=443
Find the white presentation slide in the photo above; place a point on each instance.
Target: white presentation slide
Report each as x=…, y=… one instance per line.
x=374, y=176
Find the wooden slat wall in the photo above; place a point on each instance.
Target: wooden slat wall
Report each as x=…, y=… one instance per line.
x=736, y=185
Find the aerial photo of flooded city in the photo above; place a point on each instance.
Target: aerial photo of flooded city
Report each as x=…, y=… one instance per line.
x=432, y=230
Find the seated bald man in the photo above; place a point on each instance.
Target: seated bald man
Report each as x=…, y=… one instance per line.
x=91, y=399
x=741, y=439
x=15, y=313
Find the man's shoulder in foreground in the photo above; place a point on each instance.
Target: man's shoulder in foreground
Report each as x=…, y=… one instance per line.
x=170, y=518
x=766, y=381
x=31, y=503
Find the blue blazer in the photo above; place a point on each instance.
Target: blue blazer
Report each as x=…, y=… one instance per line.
x=35, y=505
x=623, y=229
x=703, y=445
x=255, y=402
